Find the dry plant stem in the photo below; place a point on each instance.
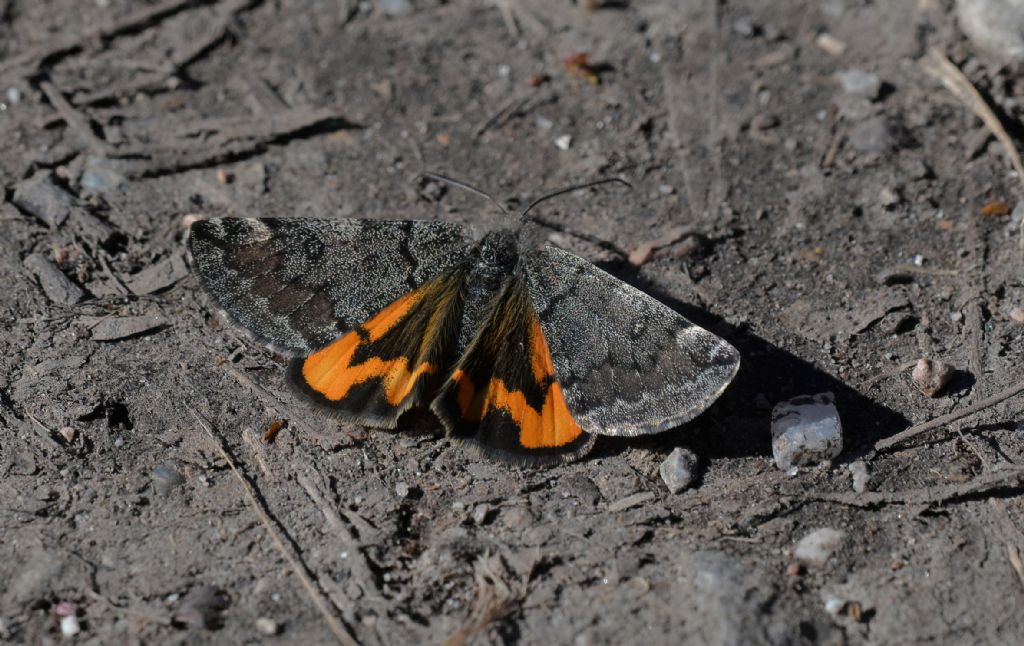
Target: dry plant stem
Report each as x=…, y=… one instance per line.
x=75, y=119
x=950, y=75
x=34, y=58
x=942, y=420
x=297, y=566
x=995, y=480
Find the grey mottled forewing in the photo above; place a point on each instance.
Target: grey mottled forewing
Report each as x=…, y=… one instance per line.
x=628, y=364
x=298, y=284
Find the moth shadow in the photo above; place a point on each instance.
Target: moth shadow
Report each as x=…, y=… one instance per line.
x=738, y=424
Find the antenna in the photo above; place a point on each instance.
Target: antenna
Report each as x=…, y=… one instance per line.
x=570, y=189
x=465, y=186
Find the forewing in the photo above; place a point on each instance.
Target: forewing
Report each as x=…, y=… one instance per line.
x=298, y=284
x=389, y=363
x=503, y=395
x=628, y=364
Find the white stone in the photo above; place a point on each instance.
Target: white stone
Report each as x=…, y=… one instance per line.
x=817, y=547
x=563, y=142
x=859, y=82
x=996, y=26
x=805, y=431
x=859, y=471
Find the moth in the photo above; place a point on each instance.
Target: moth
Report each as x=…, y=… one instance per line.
x=524, y=351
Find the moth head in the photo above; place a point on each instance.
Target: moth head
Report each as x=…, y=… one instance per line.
x=499, y=248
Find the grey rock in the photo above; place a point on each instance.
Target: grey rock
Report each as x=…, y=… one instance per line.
x=678, y=469
x=744, y=26
x=123, y=327
x=395, y=7
x=41, y=197
x=874, y=135
x=860, y=82
x=166, y=479
x=806, y=430
x=995, y=26
x=817, y=547
x=102, y=174
x=58, y=288
x=159, y=276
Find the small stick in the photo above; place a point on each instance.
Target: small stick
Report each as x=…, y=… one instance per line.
x=1006, y=478
x=890, y=373
x=75, y=119
x=942, y=420
x=950, y=75
x=34, y=58
x=298, y=567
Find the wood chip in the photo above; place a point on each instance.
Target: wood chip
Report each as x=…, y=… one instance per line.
x=631, y=501
x=159, y=276
x=123, y=327
x=58, y=288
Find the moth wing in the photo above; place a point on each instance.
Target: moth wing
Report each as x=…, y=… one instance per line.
x=374, y=373
x=298, y=284
x=628, y=364
x=503, y=395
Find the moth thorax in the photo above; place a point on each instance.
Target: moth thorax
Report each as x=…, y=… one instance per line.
x=498, y=251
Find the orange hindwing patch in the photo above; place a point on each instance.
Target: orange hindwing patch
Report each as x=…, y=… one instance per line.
x=380, y=369
x=504, y=394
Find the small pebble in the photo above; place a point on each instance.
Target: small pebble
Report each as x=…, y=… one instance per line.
x=267, y=626
x=544, y=123
x=402, y=489
x=996, y=26
x=931, y=377
x=794, y=569
x=888, y=197
x=859, y=471
x=830, y=44
x=859, y=82
x=745, y=27
x=69, y=626
x=395, y=7
x=873, y=136
x=677, y=471
x=481, y=513
x=68, y=434
x=13, y=95
x=1017, y=315
x=563, y=142
x=762, y=122
x=834, y=606
x=166, y=479
x=806, y=430
x=816, y=548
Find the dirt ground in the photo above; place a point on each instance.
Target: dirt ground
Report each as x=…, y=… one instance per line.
x=840, y=234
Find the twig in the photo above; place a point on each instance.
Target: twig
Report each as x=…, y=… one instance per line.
x=1011, y=529
x=996, y=480
x=869, y=383
x=360, y=565
x=508, y=107
x=34, y=58
x=75, y=119
x=42, y=431
x=297, y=565
x=509, y=16
x=833, y=148
x=942, y=420
x=950, y=75
x=258, y=451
